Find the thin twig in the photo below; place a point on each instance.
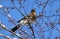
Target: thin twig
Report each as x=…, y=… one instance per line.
x=43, y=9
x=17, y=8
x=7, y=37
x=26, y=33
x=23, y=8
x=45, y=6
x=9, y=16
x=3, y=26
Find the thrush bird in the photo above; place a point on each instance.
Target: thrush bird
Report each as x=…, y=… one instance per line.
x=26, y=20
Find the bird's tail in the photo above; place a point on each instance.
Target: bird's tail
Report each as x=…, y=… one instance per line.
x=15, y=28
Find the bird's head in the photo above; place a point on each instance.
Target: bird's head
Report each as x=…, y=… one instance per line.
x=33, y=12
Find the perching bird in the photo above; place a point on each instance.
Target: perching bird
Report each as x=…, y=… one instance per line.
x=26, y=20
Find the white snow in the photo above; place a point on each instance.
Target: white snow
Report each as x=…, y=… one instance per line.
x=1, y=6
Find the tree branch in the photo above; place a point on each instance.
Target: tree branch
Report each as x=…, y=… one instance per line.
x=3, y=26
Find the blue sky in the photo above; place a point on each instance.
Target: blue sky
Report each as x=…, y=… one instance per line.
x=51, y=8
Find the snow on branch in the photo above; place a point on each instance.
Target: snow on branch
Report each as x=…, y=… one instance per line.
x=4, y=27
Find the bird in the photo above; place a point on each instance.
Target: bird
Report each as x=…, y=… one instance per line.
x=30, y=18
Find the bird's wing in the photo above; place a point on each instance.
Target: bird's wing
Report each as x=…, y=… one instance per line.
x=21, y=19
x=26, y=17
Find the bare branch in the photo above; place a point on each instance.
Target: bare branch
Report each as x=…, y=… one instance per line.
x=9, y=16
x=17, y=8
x=7, y=37
x=4, y=27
